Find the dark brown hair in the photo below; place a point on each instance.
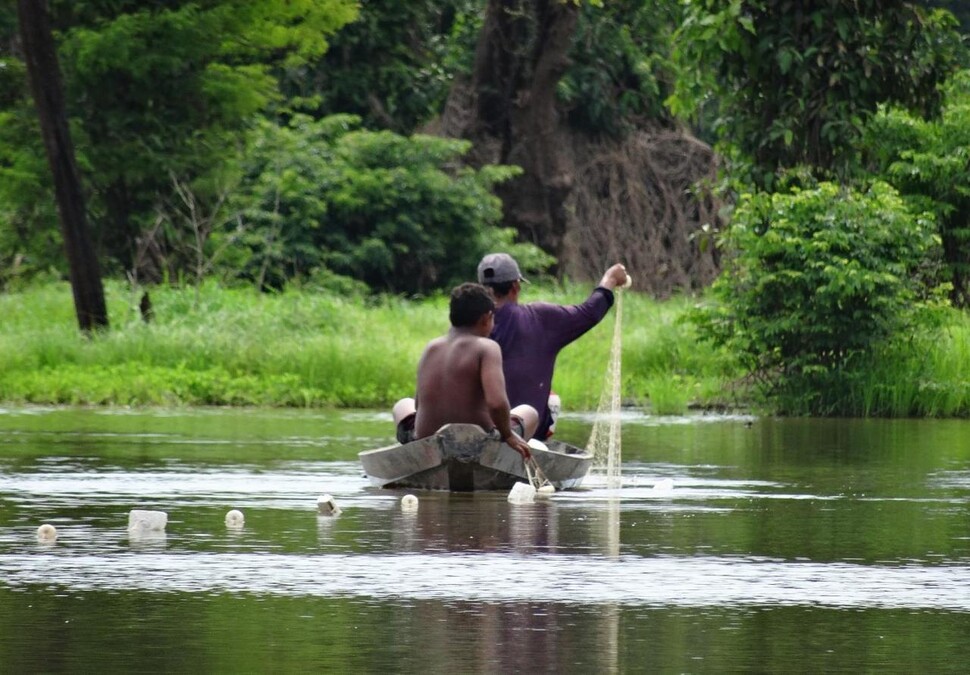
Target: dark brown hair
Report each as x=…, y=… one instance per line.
x=469, y=302
x=501, y=289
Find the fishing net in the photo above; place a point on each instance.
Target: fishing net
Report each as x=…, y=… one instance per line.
x=604, y=439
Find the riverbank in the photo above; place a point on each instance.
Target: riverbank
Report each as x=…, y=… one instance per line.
x=216, y=346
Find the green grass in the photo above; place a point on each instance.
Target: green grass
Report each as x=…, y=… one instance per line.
x=664, y=367
x=216, y=346
x=927, y=377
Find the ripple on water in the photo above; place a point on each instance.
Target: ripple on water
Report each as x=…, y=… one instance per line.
x=657, y=581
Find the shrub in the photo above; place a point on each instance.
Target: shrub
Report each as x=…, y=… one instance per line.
x=395, y=212
x=927, y=161
x=818, y=278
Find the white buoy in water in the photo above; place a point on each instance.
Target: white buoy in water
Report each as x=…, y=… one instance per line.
x=142, y=522
x=522, y=493
x=665, y=485
x=546, y=489
x=47, y=533
x=327, y=506
x=235, y=519
x=409, y=503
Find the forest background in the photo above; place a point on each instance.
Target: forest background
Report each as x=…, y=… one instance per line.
x=269, y=198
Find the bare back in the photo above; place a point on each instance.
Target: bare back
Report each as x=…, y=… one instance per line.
x=459, y=380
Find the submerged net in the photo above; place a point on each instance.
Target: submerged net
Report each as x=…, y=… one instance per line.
x=604, y=439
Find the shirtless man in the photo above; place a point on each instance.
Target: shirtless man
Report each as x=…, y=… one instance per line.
x=460, y=379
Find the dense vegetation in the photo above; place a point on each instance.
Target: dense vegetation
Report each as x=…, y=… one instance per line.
x=218, y=346
x=306, y=148
x=305, y=348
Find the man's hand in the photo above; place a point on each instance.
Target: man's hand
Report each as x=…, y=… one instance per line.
x=515, y=442
x=614, y=277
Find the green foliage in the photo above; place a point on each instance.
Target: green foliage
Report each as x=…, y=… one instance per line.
x=819, y=279
x=959, y=8
x=30, y=241
x=29, y=236
x=163, y=90
x=620, y=74
x=393, y=66
x=393, y=212
x=219, y=346
x=795, y=83
x=926, y=374
x=928, y=161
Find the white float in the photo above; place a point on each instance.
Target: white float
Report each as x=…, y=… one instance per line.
x=409, y=503
x=47, y=533
x=522, y=493
x=235, y=519
x=144, y=522
x=327, y=506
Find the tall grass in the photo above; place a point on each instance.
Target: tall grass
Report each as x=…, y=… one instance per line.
x=217, y=346
x=236, y=347
x=927, y=376
x=214, y=346
x=664, y=366
x=922, y=374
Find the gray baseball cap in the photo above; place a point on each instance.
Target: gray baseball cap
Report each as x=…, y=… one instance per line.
x=496, y=268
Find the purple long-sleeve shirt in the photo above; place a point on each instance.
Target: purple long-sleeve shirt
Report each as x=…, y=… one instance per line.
x=531, y=337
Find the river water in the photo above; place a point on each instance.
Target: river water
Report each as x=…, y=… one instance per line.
x=735, y=544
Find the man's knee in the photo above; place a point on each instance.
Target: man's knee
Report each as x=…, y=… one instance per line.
x=403, y=409
x=529, y=417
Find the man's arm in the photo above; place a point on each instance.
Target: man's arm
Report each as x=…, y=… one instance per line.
x=421, y=374
x=497, y=402
x=566, y=323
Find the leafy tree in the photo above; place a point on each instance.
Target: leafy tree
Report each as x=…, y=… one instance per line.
x=30, y=241
x=165, y=89
x=929, y=162
x=795, y=81
x=393, y=66
x=818, y=279
x=620, y=72
x=959, y=8
x=324, y=197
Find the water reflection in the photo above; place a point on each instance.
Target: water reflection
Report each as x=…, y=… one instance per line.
x=839, y=533
x=469, y=523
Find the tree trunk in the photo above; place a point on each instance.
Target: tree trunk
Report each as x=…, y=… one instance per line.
x=522, y=53
x=45, y=82
x=590, y=201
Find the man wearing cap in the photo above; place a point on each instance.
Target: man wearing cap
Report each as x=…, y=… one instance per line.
x=532, y=335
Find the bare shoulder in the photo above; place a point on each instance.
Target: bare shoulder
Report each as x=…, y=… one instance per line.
x=476, y=343
x=488, y=346
x=437, y=342
x=432, y=346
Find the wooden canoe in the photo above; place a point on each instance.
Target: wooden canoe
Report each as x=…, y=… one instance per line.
x=463, y=458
